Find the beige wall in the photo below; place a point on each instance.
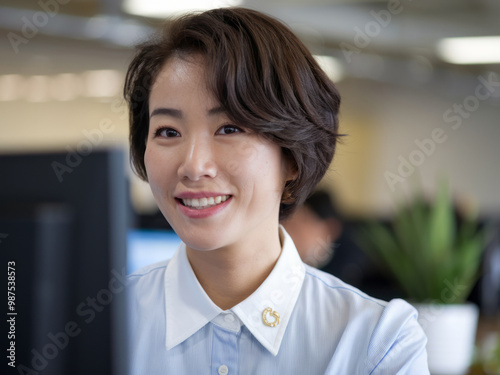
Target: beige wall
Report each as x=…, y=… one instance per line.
x=57, y=125
x=384, y=122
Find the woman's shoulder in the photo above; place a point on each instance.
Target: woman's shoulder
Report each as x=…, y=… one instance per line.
x=335, y=291
x=338, y=293
x=347, y=306
x=148, y=276
x=334, y=296
x=384, y=333
x=149, y=269
x=145, y=291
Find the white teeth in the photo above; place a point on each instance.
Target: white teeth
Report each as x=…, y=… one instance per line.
x=205, y=202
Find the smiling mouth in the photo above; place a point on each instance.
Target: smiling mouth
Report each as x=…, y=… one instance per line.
x=202, y=203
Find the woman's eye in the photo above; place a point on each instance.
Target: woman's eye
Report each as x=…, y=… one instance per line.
x=167, y=133
x=229, y=129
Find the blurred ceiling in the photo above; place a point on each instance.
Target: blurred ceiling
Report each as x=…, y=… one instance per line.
x=372, y=39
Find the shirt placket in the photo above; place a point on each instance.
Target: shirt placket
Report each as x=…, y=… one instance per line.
x=224, y=352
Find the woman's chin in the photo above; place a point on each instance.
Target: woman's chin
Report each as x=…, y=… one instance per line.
x=206, y=236
x=202, y=243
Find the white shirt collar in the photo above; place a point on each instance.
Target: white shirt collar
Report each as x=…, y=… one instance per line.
x=188, y=307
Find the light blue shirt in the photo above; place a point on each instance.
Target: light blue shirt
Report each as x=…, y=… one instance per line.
x=325, y=326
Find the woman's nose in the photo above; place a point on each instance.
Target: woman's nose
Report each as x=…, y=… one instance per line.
x=197, y=160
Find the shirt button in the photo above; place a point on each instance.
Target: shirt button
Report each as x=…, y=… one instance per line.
x=223, y=370
x=229, y=318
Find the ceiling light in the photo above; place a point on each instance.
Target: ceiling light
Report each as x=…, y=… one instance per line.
x=11, y=87
x=102, y=83
x=37, y=89
x=471, y=50
x=162, y=9
x=66, y=86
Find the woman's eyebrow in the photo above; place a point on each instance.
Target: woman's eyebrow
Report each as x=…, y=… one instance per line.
x=166, y=112
x=216, y=110
x=176, y=113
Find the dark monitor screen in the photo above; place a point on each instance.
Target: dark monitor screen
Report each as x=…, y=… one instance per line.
x=63, y=224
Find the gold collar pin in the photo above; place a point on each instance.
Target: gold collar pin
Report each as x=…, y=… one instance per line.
x=273, y=314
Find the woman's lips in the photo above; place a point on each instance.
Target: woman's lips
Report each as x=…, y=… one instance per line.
x=198, y=195
x=204, y=202
x=202, y=206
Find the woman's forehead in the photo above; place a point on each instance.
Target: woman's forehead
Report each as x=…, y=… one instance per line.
x=185, y=68
x=179, y=77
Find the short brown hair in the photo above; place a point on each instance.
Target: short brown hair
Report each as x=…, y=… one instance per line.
x=262, y=75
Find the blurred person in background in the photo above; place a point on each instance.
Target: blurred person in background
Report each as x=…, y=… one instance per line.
x=325, y=239
x=315, y=227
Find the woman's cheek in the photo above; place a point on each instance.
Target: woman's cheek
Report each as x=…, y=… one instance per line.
x=238, y=159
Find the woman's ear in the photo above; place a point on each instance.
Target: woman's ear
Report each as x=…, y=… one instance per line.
x=290, y=168
x=292, y=174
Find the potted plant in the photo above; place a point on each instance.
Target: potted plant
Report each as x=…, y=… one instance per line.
x=435, y=260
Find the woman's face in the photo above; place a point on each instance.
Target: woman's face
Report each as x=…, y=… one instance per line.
x=215, y=182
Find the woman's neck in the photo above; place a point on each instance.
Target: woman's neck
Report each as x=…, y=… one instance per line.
x=231, y=274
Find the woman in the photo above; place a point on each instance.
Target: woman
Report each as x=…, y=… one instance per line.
x=233, y=124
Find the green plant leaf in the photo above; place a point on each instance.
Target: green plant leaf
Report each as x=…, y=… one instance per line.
x=442, y=225
x=425, y=251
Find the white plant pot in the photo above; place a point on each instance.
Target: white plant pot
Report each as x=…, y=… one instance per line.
x=451, y=333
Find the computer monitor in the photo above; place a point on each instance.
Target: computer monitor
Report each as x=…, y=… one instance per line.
x=63, y=224
x=148, y=246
